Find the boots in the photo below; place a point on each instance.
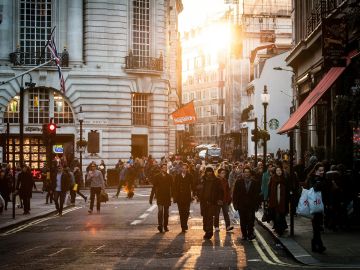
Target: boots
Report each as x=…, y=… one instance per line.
x=317, y=247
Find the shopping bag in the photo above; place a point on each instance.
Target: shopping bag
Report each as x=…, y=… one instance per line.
x=67, y=199
x=75, y=187
x=315, y=201
x=303, y=208
x=104, y=197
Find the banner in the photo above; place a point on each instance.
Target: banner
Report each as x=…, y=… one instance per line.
x=185, y=115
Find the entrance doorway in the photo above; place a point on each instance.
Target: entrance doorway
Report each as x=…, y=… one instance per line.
x=139, y=145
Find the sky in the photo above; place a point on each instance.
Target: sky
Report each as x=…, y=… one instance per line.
x=196, y=11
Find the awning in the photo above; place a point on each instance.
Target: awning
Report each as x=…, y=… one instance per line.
x=326, y=82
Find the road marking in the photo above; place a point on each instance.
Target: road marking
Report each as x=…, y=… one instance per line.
x=24, y=226
x=30, y=249
x=267, y=248
x=142, y=217
x=261, y=253
x=94, y=251
x=57, y=252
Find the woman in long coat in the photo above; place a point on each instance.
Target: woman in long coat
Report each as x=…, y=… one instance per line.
x=278, y=199
x=24, y=186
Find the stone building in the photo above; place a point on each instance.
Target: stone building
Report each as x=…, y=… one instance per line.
x=119, y=61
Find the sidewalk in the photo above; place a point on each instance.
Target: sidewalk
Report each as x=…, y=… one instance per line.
x=342, y=248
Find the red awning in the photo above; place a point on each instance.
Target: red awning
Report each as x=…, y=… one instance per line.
x=326, y=82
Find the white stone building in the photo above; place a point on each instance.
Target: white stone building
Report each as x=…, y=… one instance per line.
x=121, y=71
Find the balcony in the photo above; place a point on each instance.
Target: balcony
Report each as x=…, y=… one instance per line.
x=143, y=64
x=19, y=58
x=141, y=119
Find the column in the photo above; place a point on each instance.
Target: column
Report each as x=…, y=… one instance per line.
x=6, y=29
x=75, y=31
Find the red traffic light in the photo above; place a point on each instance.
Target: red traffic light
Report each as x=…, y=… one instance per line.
x=52, y=127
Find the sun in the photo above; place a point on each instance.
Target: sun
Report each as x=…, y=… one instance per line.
x=216, y=38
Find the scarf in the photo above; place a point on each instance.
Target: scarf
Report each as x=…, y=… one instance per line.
x=277, y=197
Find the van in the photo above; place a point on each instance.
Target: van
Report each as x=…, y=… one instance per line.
x=213, y=155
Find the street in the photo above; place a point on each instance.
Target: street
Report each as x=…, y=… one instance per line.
x=124, y=236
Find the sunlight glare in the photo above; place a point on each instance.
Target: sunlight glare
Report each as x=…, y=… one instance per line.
x=215, y=38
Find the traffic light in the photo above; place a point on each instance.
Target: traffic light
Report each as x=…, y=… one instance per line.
x=254, y=136
x=49, y=133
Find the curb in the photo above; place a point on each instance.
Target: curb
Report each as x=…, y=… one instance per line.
x=20, y=222
x=297, y=251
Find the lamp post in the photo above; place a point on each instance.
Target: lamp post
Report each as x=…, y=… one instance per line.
x=265, y=98
x=81, y=119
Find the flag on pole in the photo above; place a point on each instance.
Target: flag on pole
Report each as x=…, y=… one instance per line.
x=185, y=115
x=54, y=55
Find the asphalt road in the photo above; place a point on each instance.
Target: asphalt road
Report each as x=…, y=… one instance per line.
x=124, y=236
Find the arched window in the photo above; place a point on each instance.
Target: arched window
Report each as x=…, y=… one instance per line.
x=43, y=103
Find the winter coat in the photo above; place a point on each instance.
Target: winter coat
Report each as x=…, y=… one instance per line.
x=65, y=182
x=243, y=200
x=211, y=192
x=183, y=187
x=226, y=190
x=162, y=188
x=25, y=184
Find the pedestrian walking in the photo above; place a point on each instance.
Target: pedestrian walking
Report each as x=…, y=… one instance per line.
x=79, y=182
x=102, y=168
x=60, y=184
x=316, y=180
x=97, y=184
x=278, y=200
x=183, y=194
x=246, y=199
x=162, y=189
x=121, y=168
x=5, y=187
x=226, y=201
x=24, y=186
x=211, y=195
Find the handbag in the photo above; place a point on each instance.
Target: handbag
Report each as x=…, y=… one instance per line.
x=104, y=197
x=315, y=201
x=75, y=187
x=303, y=208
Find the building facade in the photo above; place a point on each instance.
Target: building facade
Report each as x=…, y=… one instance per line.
x=119, y=64
x=327, y=42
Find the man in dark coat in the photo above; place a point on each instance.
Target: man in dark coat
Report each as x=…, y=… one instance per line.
x=246, y=199
x=211, y=196
x=60, y=184
x=162, y=185
x=24, y=186
x=183, y=188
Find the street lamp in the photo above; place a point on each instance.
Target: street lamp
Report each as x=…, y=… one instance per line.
x=81, y=119
x=265, y=98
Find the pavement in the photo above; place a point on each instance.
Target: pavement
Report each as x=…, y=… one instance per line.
x=342, y=246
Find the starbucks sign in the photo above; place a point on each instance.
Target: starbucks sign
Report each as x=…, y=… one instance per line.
x=273, y=124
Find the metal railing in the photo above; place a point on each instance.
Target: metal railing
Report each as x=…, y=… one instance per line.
x=19, y=58
x=143, y=63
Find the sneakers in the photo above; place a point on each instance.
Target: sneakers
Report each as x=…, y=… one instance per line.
x=229, y=228
x=90, y=211
x=251, y=237
x=166, y=229
x=160, y=229
x=208, y=236
x=217, y=229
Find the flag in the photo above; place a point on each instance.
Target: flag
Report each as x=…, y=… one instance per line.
x=54, y=55
x=185, y=115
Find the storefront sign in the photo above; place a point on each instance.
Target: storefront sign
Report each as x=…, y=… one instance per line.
x=273, y=124
x=334, y=34
x=33, y=129
x=96, y=122
x=58, y=149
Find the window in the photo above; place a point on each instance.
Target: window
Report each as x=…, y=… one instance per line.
x=35, y=27
x=39, y=101
x=12, y=111
x=214, y=93
x=192, y=96
x=141, y=31
x=213, y=130
x=214, y=110
x=139, y=109
x=198, y=95
x=185, y=97
x=62, y=110
x=206, y=130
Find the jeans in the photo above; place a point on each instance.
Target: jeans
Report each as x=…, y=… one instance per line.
x=95, y=191
x=184, y=212
x=59, y=195
x=225, y=211
x=247, y=222
x=208, y=212
x=163, y=215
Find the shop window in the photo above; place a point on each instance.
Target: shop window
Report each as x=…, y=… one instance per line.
x=39, y=102
x=12, y=111
x=62, y=110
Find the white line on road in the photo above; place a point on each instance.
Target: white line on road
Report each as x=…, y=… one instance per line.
x=96, y=249
x=57, y=252
x=144, y=215
x=30, y=249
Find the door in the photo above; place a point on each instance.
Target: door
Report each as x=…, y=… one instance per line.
x=139, y=145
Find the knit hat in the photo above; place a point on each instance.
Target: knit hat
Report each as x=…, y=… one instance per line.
x=209, y=169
